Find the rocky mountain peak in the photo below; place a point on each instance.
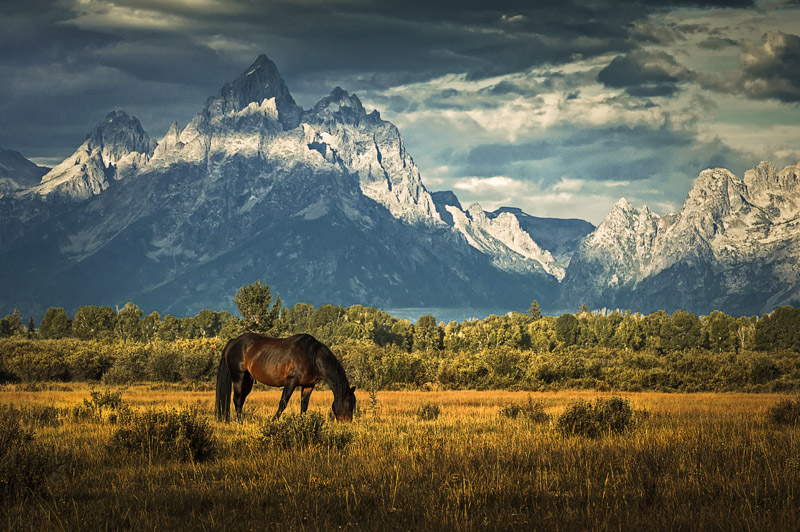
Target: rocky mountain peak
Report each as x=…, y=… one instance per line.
x=117, y=136
x=340, y=107
x=475, y=211
x=778, y=193
x=115, y=148
x=622, y=214
x=765, y=179
x=260, y=81
x=716, y=193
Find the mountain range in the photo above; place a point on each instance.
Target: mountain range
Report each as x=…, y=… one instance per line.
x=327, y=206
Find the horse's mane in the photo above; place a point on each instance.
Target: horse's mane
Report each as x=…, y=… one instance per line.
x=331, y=368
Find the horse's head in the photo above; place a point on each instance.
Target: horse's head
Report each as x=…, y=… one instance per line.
x=343, y=407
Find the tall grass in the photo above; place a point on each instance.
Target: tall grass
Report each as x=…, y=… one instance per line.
x=697, y=462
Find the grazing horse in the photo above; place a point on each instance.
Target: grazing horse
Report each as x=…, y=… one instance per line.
x=300, y=360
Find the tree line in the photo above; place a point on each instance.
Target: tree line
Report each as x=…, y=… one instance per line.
x=528, y=350
x=260, y=312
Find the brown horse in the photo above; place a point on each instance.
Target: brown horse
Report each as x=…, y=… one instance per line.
x=299, y=360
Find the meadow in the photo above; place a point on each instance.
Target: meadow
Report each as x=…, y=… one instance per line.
x=686, y=462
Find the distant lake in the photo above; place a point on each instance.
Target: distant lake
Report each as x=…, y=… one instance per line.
x=449, y=314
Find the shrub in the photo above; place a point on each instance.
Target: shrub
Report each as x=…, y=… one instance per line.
x=25, y=465
x=166, y=434
x=87, y=360
x=532, y=411
x=428, y=411
x=31, y=360
x=592, y=419
x=785, y=412
x=303, y=430
x=197, y=359
x=92, y=409
x=163, y=363
x=130, y=364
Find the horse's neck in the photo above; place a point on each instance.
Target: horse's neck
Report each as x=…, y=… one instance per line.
x=333, y=373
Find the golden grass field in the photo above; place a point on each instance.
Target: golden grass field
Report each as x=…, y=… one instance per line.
x=696, y=462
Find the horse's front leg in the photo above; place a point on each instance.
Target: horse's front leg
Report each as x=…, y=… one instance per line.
x=304, y=397
x=288, y=390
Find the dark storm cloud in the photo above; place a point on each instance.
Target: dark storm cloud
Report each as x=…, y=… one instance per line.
x=772, y=69
x=645, y=74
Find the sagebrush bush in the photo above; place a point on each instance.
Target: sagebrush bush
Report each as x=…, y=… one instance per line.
x=25, y=465
x=532, y=411
x=303, y=430
x=785, y=412
x=428, y=411
x=102, y=406
x=593, y=419
x=166, y=434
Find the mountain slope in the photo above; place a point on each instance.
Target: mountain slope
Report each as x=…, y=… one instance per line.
x=17, y=172
x=561, y=237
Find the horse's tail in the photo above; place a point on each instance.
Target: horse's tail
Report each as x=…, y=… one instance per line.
x=223, y=402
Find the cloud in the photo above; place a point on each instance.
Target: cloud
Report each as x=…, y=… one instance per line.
x=717, y=43
x=484, y=184
x=645, y=74
x=771, y=69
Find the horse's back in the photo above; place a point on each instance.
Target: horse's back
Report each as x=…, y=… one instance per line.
x=273, y=361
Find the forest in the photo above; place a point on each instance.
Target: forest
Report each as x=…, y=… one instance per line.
x=602, y=350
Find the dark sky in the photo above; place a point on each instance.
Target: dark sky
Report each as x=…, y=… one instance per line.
x=556, y=107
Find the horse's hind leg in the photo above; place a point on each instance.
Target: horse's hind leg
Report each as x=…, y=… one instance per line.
x=304, y=397
x=241, y=388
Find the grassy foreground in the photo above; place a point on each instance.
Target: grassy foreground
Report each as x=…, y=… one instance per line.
x=696, y=462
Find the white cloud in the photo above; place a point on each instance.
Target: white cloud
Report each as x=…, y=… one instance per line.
x=568, y=185
x=486, y=183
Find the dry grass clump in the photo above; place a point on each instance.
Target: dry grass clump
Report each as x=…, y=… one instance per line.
x=532, y=411
x=785, y=412
x=296, y=431
x=428, y=411
x=25, y=464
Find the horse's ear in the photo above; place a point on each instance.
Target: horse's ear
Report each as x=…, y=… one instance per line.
x=353, y=389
